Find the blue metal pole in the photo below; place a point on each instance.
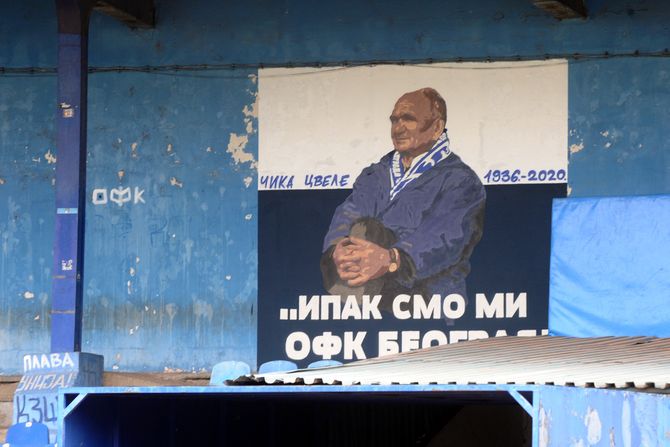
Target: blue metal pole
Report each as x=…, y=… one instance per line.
x=68, y=271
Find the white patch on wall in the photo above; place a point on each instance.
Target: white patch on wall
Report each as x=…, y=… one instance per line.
x=626, y=423
x=593, y=426
x=334, y=122
x=49, y=157
x=236, y=148
x=251, y=110
x=545, y=418
x=574, y=148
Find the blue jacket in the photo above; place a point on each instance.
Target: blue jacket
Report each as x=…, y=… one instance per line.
x=437, y=220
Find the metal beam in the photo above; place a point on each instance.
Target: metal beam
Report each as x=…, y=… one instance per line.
x=72, y=405
x=563, y=9
x=68, y=266
x=521, y=400
x=134, y=13
x=66, y=301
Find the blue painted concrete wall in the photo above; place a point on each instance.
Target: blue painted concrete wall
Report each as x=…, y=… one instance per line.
x=170, y=279
x=619, y=141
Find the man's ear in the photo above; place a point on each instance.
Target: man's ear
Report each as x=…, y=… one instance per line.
x=439, y=127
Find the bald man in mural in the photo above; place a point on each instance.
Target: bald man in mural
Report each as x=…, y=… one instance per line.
x=412, y=219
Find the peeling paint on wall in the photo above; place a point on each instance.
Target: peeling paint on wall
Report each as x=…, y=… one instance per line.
x=544, y=422
x=175, y=182
x=236, y=145
x=251, y=111
x=574, y=148
x=49, y=157
x=593, y=426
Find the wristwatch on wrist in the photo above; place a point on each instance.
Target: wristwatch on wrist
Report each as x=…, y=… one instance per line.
x=393, y=266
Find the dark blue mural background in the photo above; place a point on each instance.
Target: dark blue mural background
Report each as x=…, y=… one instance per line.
x=513, y=256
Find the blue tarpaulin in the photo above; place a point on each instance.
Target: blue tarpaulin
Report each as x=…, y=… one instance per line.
x=610, y=267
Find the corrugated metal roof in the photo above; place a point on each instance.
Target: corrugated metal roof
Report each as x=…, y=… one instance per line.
x=619, y=362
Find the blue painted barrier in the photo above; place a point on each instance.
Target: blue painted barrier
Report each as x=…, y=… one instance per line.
x=36, y=396
x=561, y=416
x=610, y=269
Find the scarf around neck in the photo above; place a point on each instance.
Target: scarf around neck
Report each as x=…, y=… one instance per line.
x=400, y=177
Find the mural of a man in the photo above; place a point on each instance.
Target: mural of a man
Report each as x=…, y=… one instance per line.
x=412, y=219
